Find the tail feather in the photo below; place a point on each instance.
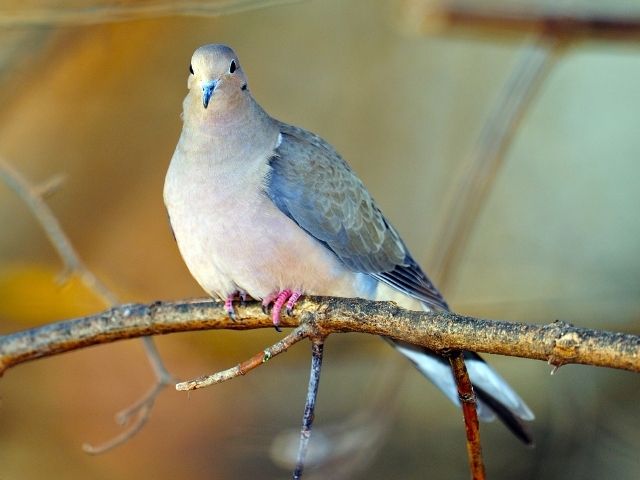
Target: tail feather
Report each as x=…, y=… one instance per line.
x=514, y=423
x=438, y=371
x=484, y=377
x=495, y=397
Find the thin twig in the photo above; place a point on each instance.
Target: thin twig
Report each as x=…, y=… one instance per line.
x=260, y=358
x=140, y=409
x=558, y=343
x=477, y=175
x=50, y=186
x=73, y=265
x=470, y=413
x=52, y=229
x=317, y=348
x=160, y=371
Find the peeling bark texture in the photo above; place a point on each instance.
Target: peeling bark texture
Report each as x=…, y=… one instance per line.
x=558, y=343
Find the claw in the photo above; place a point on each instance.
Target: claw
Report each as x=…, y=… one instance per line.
x=281, y=299
x=268, y=300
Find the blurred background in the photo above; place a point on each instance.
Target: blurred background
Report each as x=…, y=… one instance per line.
x=508, y=160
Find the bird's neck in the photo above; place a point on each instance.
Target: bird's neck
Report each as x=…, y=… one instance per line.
x=231, y=126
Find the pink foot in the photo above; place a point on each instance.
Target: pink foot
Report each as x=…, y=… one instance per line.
x=279, y=299
x=228, y=303
x=292, y=301
x=228, y=306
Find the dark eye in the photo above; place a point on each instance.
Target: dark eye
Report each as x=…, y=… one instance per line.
x=191, y=69
x=232, y=67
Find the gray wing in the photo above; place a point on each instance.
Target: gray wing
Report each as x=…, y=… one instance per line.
x=314, y=186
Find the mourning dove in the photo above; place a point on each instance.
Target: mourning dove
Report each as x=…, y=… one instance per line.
x=269, y=210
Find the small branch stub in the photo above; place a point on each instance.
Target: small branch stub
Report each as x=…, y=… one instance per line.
x=565, y=348
x=257, y=360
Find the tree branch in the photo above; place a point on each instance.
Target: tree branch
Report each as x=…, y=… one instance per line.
x=558, y=343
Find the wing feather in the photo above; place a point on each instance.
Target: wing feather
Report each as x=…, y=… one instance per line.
x=316, y=188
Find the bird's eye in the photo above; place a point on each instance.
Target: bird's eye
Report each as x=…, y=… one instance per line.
x=191, y=69
x=232, y=67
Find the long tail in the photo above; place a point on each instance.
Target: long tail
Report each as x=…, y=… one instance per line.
x=495, y=396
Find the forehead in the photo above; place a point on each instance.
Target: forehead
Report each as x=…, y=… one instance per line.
x=213, y=54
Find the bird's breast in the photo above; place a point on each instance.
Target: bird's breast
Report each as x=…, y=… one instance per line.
x=233, y=237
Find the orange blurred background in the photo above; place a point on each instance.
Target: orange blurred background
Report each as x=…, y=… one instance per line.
x=99, y=101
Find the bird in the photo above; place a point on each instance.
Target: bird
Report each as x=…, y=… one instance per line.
x=264, y=209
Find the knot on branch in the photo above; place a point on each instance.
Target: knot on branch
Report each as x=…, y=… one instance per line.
x=467, y=397
x=311, y=314
x=566, y=344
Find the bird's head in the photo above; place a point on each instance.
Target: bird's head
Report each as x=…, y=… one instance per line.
x=215, y=75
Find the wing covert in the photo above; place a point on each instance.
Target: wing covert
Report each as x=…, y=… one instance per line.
x=317, y=189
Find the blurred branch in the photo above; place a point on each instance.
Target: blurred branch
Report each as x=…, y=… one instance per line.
x=69, y=13
x=140, y=409
x=568, y=23
x=33, y=197
x=463, y=204
x=555, y=29
x=558, y=343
